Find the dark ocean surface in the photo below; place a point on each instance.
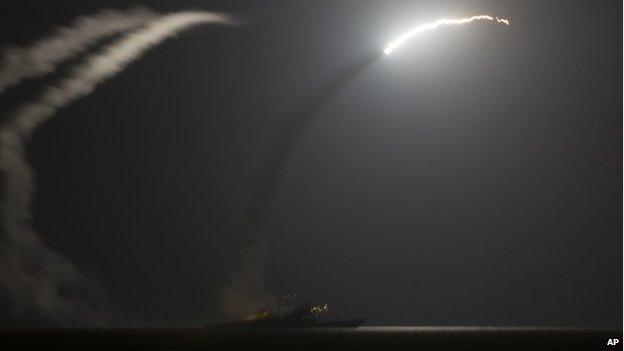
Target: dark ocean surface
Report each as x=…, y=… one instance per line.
x=362, y=338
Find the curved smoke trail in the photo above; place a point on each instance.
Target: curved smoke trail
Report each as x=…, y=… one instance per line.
x=244, y=291
x=44, y=56
x=35, y=278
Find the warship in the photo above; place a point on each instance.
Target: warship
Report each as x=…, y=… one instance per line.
x=291, y=314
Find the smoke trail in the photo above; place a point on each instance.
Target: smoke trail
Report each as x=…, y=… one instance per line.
x=244, y=291
x=44, y=56
x=32, y=275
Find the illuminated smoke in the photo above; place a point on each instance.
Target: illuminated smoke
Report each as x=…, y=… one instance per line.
x=244, y=292
x=395, y=44
x=45, y=55
x=35, y=278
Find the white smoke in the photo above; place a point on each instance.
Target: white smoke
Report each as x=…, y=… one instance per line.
x=32, y=275
x=99, y=67
x=244, y=292
x=44, y=56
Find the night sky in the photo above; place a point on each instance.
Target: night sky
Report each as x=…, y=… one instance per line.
x=473, y=178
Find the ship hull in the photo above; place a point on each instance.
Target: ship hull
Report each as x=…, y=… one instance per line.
x=347, y=323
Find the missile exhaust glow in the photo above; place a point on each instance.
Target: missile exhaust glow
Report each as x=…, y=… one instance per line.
x=395, y=44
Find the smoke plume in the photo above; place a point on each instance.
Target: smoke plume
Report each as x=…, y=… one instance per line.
x=44, y=56
x=249, y=278
x=244, y=291
x=35, y=279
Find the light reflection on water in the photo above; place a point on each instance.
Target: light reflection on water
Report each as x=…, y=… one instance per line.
x=434, y=329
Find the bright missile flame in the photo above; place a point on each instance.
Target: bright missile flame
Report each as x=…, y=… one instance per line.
x=395, y=44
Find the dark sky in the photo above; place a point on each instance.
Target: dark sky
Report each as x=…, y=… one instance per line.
x=474, y=178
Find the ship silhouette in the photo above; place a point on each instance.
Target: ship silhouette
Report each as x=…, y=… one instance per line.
x=292, y=314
